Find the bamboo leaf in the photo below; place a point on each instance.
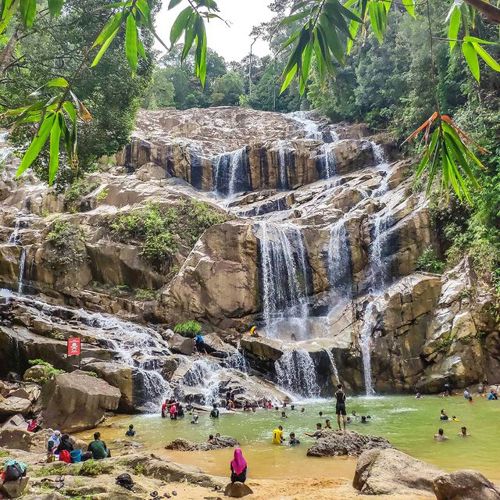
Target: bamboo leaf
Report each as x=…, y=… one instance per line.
x=58, y=82
x=28, y=11
x=409, y=5
x=55, y=7
x=55, y=137
x=454, y=27
x=173, y=3
x=104, y=48
x=143, y=7
x=494, y=65
x=288, y=78
x=131, y=42
x=470, y=55
x=180, y=24
x=108, y=30
x=70, y=110
x=36, y=144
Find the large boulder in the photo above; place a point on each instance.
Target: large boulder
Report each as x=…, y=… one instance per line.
x=465, y=485
x=14, y=489
x=338, y=443
x=37, y=373
x=389, y=471
x=215, y=444
x=181, y=345
x=262, y=348
x=13, y=405
x=76, y=401
x=237, y=490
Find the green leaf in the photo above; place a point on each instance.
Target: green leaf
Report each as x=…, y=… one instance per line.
x=475, y=39
x=486, y=57
x=288, y=78
x=36, y=144
x=454, y=28
x=108, y=30
x=131, y=41
x=332, y=39
x=189, y=37
x=70, y=110
x=55, y=137
x=55, y=7
x=143, y=6
x=294, y=17
x=409, y=5
x=180, y=24
x=306, y=64
x=471, y=57
x=173, y=3
x=141, y=49
x=58, y=82
x=104, y=48
x=378, y=19
x=200, y=56
x=28, y=11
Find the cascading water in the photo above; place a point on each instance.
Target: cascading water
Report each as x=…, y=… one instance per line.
x=205, y=377
x=282, y=165
x=365, y=340
x=139, y=347
x=310, y=127
x=284, y=279
x=339, y=260
x=296, y=373
x=22, y=266
x=230, y=173
x=333, y=365
x=328, y=160
x=379, y=270
x=382, y=165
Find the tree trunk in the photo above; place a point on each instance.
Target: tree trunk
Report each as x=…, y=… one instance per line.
x=7, y=52
x=489, y=11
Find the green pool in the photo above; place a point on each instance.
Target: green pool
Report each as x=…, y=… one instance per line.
x=409, y=424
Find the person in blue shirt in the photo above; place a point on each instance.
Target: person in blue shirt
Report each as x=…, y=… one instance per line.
x=200, y=343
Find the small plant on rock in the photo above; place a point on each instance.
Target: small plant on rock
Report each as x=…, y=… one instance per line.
x=66, y=243
x=94, y=468
x=429, y=262
x=189, y=328
x=49, y=370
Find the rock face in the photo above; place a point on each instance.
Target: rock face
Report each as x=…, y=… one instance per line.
x=215, y=444
x=75, y=401
x=389, y=471
x=13, y=405
x=337, y=443
x=464, y=485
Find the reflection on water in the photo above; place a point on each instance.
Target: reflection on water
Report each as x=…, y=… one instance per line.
x=409, y=425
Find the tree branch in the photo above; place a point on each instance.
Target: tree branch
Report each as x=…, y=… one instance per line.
x=491, y=12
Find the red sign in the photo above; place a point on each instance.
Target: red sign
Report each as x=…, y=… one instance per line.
x=74, y=346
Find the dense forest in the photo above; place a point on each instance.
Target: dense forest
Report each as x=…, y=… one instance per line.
x=392, y=86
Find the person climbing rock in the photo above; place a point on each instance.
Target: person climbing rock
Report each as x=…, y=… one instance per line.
x=200, y=345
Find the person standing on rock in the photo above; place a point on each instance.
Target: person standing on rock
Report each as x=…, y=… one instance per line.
x=340, y=408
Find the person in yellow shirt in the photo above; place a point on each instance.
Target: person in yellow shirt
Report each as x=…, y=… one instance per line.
x=278, y=435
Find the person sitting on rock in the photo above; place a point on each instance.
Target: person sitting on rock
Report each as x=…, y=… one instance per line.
x=278, y=435
x=440, y=435
x=199, y=343
x=443, y=416
x=215, y=411
x=211, y=439
x=492, y=395
x=238, y=467
x=317, y=433
x=98, y=448
x=130, y=432
x=293, y=441
x=33, y=425
x=52, y=445
x=65, y=444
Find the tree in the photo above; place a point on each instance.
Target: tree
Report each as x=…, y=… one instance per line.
x=226, y=89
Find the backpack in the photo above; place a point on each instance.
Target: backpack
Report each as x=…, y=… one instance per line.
x=13, y=472
x=125, y=480
x=64, y=456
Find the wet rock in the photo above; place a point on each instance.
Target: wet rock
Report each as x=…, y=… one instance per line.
x=262, y=348
x=337, y=443
x=215, y=444
x=237, y=490
x=389, y=471
x=181, y=345
x=464, y=485
x=74, y=401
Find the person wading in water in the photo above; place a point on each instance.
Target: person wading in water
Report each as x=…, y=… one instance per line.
x=340, y=409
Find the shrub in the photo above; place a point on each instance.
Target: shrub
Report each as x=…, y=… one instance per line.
x=145, y=294
x=189, y=328
x=50, y=370
x=67, y=243
x=102, y=195
x=429, y=262
x=94, y=468
x=160, y=231
x=78, y=190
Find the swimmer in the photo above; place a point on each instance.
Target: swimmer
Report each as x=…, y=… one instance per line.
x=440, y=435
x=283, y=415
x=328, y=425
x=315, y=434
x=293, y=441
x=278, y=435
x=463, y=432
x=443, y=415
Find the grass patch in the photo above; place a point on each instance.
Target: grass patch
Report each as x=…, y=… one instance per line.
x=189, y=328
x=94, y=468
x=429, y=262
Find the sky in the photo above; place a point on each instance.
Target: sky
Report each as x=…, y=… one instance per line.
x=232, y=42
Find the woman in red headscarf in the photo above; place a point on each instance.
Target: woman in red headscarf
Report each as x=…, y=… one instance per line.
x=238, y=467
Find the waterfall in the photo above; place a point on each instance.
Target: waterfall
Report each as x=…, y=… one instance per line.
x=284, y=278
x=379, y=270
x=296, y=373
x=310, y=127
x=333, y=365
x=14, y=236
x=282, y=166
x=328, y=160
x=382, y=165
x=206, y=378
x=365, y=341
x=230, y=173
x=22, y=265
x=339, y=260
